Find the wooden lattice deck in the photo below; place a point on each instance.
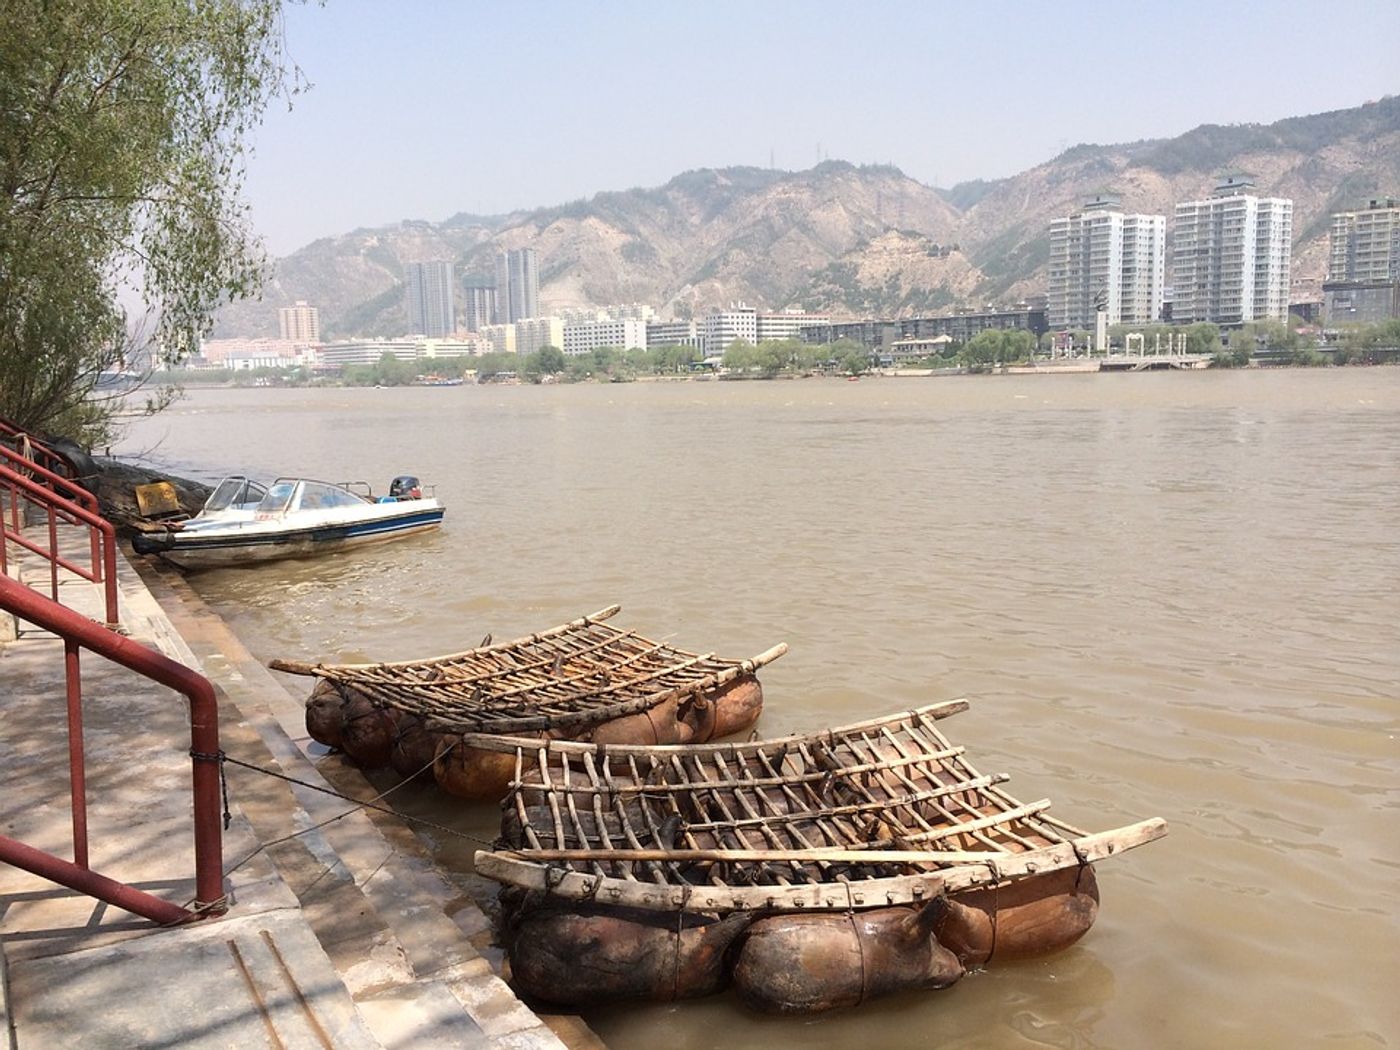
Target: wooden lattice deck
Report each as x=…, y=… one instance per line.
x=887, y=811
x=564, y=679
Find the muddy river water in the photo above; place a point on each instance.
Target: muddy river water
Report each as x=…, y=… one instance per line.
x=1166, y=595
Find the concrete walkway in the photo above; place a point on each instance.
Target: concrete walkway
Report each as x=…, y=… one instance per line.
x=342, y=935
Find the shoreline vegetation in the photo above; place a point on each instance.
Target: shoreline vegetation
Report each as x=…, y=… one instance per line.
x=1262, y=344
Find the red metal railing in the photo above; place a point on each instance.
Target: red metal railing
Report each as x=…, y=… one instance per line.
x=29, y=483
x=31, y=447
x=31, y=475
x=79, y=632
x=54, y=479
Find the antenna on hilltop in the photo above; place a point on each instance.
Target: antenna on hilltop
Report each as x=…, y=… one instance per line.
x=771, y=165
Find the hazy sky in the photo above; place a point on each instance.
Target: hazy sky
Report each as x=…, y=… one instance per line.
x=421, y=109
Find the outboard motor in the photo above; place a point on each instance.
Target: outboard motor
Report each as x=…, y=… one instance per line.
x=405, y=486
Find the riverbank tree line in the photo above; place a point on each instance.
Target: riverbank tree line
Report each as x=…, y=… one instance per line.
x=1356, y=344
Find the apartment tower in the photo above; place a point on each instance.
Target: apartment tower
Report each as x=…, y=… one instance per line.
x=300, y=323
x=430, y=302
x=1230, y=256
x=1363, y=268
x=517, y=285
x=1101, y=257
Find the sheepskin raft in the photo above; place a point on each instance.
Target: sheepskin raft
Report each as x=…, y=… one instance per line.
x=811, y=871
x=583, y=680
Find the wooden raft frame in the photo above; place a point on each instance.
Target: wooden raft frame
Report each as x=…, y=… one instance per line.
x=570, y=677
x=881, y=812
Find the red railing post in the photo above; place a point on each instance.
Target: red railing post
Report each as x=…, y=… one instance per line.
x=77, y=766
x=78, y=630
x=53, y=546
x=95, y=552
x=206, y=776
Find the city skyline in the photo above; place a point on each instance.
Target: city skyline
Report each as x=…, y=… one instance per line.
x=999, y=97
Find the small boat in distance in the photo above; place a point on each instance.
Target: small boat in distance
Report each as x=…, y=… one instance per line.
x=296, y=517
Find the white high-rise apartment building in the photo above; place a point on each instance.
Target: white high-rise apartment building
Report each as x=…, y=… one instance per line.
x=1231, y=255
x=1144, y=269
x=721, y=327
x=1100, y=255
x=300, y=323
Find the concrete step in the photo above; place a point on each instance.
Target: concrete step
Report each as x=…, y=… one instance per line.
x=343, y=932
x=78, y=972
x=412, y=954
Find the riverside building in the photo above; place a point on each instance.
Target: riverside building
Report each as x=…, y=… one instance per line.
x=299, y=323
x=367, y=351
x=1030, y=316
x=786, y=324
x=535, y=333
x=1363, y=265
x=719, y=328
x=1230, y=256
x=500, y=337
x=672, y=333
x=1101, y=256
x=586, y=336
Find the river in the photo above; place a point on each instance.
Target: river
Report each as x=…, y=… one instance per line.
x=1166, y=595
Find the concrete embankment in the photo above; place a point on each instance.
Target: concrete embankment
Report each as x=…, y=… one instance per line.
x=340, y=932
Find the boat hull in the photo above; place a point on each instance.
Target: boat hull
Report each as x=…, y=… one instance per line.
x=249, y=543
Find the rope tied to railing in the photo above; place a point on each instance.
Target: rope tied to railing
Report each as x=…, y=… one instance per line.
x=225, y=759
x=221, y=758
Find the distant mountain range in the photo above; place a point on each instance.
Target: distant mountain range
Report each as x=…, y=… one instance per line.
x=859, y=241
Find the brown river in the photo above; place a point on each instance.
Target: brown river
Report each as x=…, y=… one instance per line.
x=1166, y=595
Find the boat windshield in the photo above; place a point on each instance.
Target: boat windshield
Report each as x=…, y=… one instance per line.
x=296, y=494
x=319, y=495
x=234, y=492
x=277, y=499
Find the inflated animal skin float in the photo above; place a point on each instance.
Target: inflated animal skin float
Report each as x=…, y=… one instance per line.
x=810, y=872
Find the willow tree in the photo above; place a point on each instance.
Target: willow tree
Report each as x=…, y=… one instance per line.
x=123, y=127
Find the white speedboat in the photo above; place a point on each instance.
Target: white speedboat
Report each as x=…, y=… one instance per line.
x=296, y=517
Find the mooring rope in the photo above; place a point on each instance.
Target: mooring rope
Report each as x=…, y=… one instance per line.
x=224, y=759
